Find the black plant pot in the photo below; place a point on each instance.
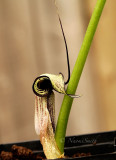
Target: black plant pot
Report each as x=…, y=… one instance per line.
x=97, y=146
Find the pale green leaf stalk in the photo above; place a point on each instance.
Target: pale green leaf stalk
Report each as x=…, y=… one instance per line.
x=75, y=77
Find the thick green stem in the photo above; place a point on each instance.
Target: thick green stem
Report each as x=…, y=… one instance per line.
x=74, y=80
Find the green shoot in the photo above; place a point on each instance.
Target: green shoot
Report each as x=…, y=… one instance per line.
x=76, y=74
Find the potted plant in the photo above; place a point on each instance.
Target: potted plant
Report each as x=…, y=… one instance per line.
x=94, y=146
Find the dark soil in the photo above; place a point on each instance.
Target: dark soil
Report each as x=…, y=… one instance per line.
x=22, y=153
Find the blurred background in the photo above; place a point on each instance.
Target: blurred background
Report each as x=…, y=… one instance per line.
x=31, y=43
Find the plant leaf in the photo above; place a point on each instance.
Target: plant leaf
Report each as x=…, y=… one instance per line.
x=44, y=127
x=45, y=111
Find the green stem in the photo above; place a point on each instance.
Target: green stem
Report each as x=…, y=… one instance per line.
x=74, y=80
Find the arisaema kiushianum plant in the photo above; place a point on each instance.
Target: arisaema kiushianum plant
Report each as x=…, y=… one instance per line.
x=51, y=137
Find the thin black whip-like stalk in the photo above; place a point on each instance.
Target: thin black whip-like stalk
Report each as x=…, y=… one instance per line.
x=68, y=64
x=66, y=50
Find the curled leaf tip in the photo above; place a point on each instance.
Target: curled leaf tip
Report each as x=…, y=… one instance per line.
x=45, y=83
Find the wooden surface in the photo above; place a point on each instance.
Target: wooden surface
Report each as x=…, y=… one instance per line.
x=31, y=43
